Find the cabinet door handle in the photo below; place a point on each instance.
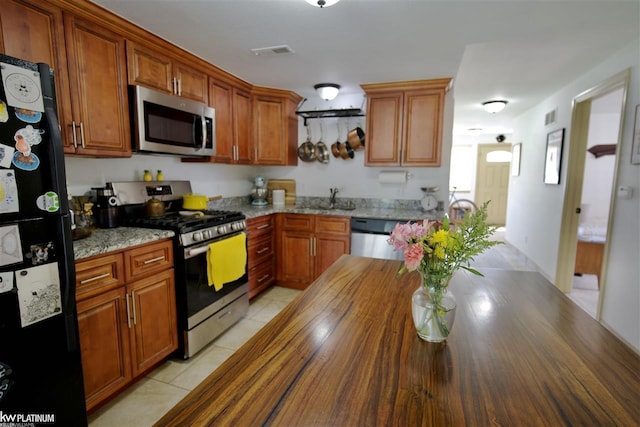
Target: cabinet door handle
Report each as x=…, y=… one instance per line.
x=82, y=135
x=263, y=250
x=133, y=307
x=152, y=260
x=179, y=87
x=175, y=90
x=128, y=311
x=73, y=133
x=263, y=278
x=263, y=226
x=93, y=279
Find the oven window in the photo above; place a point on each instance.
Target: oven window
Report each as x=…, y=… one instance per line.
x=199, y=294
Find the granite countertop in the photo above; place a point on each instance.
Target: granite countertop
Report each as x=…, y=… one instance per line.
x=102, y=241
x=365, y=212
x=112, y=239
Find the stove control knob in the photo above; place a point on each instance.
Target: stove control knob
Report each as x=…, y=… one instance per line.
x=197, y=236
x=236, y=226
x=222, y=229
x=206, y=234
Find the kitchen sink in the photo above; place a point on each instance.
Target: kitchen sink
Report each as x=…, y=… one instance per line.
x=339, y=205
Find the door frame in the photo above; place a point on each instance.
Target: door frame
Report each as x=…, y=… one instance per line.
x=580, y=113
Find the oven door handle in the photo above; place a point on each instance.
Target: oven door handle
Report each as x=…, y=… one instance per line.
x=190, y=253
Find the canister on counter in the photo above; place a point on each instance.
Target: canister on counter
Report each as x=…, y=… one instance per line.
x=278, y=198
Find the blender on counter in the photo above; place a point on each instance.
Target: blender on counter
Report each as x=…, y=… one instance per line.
x=259, y=192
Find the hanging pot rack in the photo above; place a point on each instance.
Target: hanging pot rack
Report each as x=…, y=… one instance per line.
x=330, y=113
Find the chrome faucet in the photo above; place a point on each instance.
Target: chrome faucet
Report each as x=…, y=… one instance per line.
x=332, y=198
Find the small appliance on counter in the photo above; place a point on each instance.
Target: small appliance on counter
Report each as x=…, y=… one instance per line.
x=106, y=209
x=259, y=192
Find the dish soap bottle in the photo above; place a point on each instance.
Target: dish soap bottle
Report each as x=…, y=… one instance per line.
x=147, y=176
x=159, y=176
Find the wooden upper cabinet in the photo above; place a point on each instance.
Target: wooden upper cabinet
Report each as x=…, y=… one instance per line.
x=404, y=122
x=151, y=68
x=98, y=77
x=242, y=116
x=148, y=67
x=270, y=131
x=233, y=122
x=34, y=31
x=275, y=136
x=384, y=129
x=190, y=83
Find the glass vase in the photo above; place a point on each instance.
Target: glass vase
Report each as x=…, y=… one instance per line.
x=434, y=310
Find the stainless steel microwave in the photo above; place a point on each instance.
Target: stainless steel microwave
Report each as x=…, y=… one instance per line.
x=167, y=124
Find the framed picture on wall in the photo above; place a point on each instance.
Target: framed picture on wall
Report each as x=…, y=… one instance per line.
x=515, y=159
x=635, y=148
x=553, y=157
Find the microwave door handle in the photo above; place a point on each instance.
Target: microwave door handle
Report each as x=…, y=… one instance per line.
x=204, y=132
x=197, y=132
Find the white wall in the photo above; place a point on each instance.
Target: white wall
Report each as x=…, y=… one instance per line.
x=351, y=176
x=312, y=179
x=534, y=209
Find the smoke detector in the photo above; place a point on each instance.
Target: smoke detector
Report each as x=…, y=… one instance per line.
x=273, y=50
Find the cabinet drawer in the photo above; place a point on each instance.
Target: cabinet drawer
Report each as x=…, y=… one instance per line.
x=297, y=222
x=333, y=224
x=260, y=226
x=142, y=261
x=260, y=249
x=98, y=274
x=261, y=277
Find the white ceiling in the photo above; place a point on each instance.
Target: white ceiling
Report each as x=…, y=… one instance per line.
x=518, y=50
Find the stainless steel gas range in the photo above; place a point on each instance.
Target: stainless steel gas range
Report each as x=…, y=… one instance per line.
x=203, y=312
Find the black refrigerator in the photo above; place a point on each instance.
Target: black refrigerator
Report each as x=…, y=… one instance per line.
x=40, y=365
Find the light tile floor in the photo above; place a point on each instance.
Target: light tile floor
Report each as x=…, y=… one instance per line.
x=149, y=399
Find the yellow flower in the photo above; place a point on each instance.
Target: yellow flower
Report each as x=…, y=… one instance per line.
x=440, y=237
x=438, y=252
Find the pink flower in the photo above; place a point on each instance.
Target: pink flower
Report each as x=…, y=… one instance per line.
x=400, y=237
x=413, y=256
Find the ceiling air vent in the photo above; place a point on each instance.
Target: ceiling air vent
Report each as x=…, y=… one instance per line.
x=273, y=50
x=550, y=117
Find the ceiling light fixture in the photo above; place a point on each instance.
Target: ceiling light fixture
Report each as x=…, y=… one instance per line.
x=327, y=91
x=494, y=106
x=322, y=3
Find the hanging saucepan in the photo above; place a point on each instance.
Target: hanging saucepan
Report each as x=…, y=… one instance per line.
x=197, y=202
x=346, y=152
x=335, y=147
x=356, y=138
x=306, y=150
x=322, y=152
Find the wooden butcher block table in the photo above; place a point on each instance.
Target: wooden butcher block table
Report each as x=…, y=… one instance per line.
x=345, y=353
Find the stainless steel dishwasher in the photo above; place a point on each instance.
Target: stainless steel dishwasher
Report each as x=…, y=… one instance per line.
x=369, y=238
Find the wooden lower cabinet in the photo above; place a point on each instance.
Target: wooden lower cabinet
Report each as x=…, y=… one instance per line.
x=309, y=244
x=154, y=323
x=125, y=328
x=104, y=343
x=261, y=252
